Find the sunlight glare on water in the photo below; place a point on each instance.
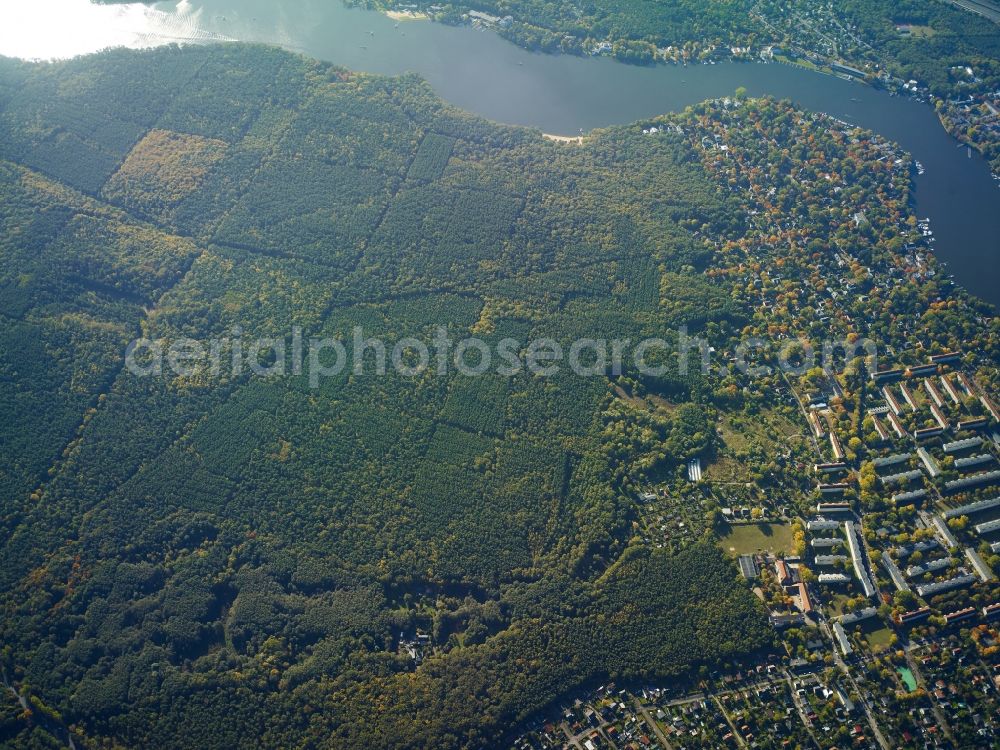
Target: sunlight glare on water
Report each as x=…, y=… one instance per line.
x=58, y=29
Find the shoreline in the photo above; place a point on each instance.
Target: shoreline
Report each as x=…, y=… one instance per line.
x=406, y=15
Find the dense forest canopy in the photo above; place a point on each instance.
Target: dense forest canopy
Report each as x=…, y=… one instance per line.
x=223, y=560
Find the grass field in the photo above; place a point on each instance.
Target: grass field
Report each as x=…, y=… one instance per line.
x=770, y=430
x=744, y=539
x=732, y=436
x=800, y=61
x=879, y=639
x=767, y=428
x=725, y=469
x=915, y=31
x=835, y=604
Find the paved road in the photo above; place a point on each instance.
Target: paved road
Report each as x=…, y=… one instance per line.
x=573, y=738
x=56, y=728
x=805, y=414
x=797, y=701
x=652, y=724
x=845, y=670
x=979, y=7
x=736, y=733
x=578, y=738
x=942, y=722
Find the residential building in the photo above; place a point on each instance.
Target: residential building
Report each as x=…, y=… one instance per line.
x=929, y=589
x=987, y=402
x=933, y=392
x=862, y=614
x=834, y=488
x=825, y=542
x=842, y=640
x=988, y=527
x=946, y=357
x=952, y=618
x=833, y=578
x=973, y=424
x=950, y=390
x=928, y=567
x=823, y=524
x=829, y=559
x=907, y=549
x=921, y=371
x=782, y=572
x=986, y=477
x=972, y=462
x=984, y=571
x=823, y=508
x=891, y=402
x=970, y=508
x=804, y=602
x=883, y=435
x=785, y=619
x=838, y=450
x=895, y=458
x=944, y=532
x=903, y=477
x=908, y=618
x=894, y=574
x=858, y=557
x=897, y=426
x=961, y=445
x=929, y=463
x=905, y=498
x=885, y=376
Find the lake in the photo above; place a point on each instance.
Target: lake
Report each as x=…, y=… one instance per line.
x=480, y=72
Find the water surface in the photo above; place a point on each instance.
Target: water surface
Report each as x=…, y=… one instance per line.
x=480, y=72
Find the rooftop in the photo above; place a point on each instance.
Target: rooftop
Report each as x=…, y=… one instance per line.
x=970, y=508
x=939, y=586
x=842, y=640
x=987, y=477
x=984, y=571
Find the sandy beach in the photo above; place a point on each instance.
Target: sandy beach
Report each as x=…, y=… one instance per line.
x=578, y=139
x=406, y=15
